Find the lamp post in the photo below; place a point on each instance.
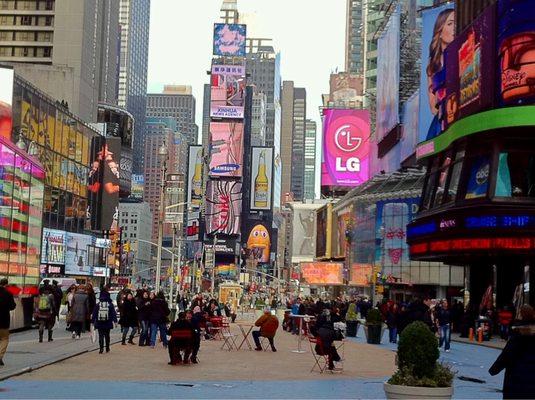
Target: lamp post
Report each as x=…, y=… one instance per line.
x=162, y=153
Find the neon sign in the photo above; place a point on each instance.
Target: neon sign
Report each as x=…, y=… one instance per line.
x=463, y=244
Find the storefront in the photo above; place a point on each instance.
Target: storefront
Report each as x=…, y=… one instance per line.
x=478, y=199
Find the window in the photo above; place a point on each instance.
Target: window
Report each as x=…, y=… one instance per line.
x=47, y=52
x=454, y=177
x=516, y=174
x=25, y=20
x=430, y=184
x=48, y=21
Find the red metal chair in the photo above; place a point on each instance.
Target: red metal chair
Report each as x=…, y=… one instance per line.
x=321, y=361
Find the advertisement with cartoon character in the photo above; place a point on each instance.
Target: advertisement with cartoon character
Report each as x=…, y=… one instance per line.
x=259, y=243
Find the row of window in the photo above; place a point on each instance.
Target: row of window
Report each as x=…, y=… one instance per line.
x=27, y=20
x=26, y=36
x=39, y=52
x=27, y=5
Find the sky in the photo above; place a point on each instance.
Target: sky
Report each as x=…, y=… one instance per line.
x=310, y=35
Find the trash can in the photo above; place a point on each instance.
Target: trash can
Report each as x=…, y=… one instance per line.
x=484, y=324
x=351, y=328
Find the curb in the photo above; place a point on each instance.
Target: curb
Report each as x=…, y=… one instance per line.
x=26, y=370
x=475, y=343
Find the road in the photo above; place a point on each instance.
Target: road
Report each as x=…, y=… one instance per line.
x=137, y=372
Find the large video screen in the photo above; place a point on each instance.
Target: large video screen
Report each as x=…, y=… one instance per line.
x=195, y=171
x=53, y=249
x=322, y=273
x=6, y=101
x=223, y=208
x=259, y=241
x=229, y=40
x=77, y=260
x=226, y=149
x=388, y=76
x=227, y=94
x=261, y=178
x=346, y=147
x=438, y=31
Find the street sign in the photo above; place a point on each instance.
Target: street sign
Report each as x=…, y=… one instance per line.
x=173, y=218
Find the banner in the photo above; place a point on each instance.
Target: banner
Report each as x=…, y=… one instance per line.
x=227, y=94
x=195, y=170
x=261, y=178
x=229, y=40
x=346, y=147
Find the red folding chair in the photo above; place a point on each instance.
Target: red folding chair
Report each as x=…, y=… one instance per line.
x=321, y=362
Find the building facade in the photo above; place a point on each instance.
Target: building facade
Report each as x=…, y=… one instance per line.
x=134, y=21
x=258, y=120
x=177, y=102
x=354, y=48
x=310, y=160
x=67, y=48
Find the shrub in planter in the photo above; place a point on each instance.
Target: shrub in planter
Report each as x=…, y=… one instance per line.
x=374, y=326
x=418, y=367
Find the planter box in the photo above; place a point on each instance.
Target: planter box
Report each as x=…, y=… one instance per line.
x=351, y=328
x=374, y=334
x=414, y=392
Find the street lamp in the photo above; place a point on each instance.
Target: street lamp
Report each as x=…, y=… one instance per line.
x=162, y=154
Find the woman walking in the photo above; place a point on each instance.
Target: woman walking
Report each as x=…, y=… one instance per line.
x=103, y=318
x=144, y=317
x=79, y=311
x=129, y=318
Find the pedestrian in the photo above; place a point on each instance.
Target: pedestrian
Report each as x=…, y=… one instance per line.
x=129, y=319
x=443, y=318
x=79, y=311
x=268, y=324
x=196, y=322
x=159, y=312
x=44, y=311
x=143, y=316
x=518, y=359
x=392, y=316
x=58, y=297
x=104, y=317
x=7, y=304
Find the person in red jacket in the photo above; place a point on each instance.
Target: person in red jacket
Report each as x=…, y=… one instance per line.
x=268, y=324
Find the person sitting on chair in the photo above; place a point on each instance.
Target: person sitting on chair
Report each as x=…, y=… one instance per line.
x=268, y=324
x=182, y=339
x=324, y=329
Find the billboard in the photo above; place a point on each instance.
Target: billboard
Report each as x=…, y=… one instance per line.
x=391, y=230
x=227, y=94
x=361, y=275
x=138, y=185
x=195, y=167
x=323, y=231
x=259, y=241
x=229, y=40
x=223, y=207
x=53, y=248
x=6, y=101
x=76, y=255
x=192, y=229
x=346, y=147
x=516, y=39
x=438, y=31
x=226, y=149
x=261, y=178
x=388, y=76
x=322, y=273
x=409, y=138
x=470, y=70
x=304, y=233
x=344, y=222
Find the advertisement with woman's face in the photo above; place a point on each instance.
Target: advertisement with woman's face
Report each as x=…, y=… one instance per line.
x=438, y=31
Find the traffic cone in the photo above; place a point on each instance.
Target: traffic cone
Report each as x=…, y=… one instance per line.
x=471, y=334
x=480, y=335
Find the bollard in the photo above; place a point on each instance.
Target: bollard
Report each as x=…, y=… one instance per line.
x=480, y=335
x=471, y=334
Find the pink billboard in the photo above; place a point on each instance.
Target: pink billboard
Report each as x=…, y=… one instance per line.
x=226, y=149
x=223, y=207
x=346, y=147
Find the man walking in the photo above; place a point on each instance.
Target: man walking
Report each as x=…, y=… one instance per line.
x=7, y=304
x=444, y=325
x=45, y=311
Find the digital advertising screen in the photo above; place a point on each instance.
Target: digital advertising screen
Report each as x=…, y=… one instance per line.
x=229, y=40
x=226, y=149
x=322, y=273
x=361, y=275
x=438, y=31
x=76, y=254
x=223, y=207
x=195, y=171
x=138, y=185
x=110, y=158
x=304, y=233
x=388, y=76
x=6, y=101
x=470, y=70
x=346, y=147
x=53, y=249
x=516, y=41
x=261, y=178
x=227, y=95
x=409, y=138
x=259, y=241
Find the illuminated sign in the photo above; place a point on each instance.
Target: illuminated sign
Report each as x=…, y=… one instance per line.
x=346, y=147
x=473, y=244
x=226, y=149
x=227, y=93
x=53, y=249
x=6, y=100
x=322, y=273
x=229, y=40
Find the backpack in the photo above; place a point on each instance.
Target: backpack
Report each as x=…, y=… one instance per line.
x=44, y=302
x=103, y=311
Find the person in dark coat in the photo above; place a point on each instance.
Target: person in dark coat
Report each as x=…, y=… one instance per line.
x=129, y=319
x=324, y=329
x=159, y=311
x=79, y=311
x=58, y=297
x=392, y=321
x=104, y=317
x=91, y=302
x=143, y=315
x=182, y=338
x=196, y=321
x=44, y=311
x=518, y=359
x=7, y=304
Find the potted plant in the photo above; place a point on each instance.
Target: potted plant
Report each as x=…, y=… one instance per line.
x=374, y=326
x=352, y=320
x=419, y=375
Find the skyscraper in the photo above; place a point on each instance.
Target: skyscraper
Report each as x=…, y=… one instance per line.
x=66, y=48
x=355, y=37
x=177, y=102
x=258, y=120
x=293, y=131
x=310, y=160
x=134, y=21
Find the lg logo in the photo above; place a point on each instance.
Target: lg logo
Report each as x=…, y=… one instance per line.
x=347, y=141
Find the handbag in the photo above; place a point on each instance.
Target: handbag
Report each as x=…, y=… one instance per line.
x=93, y=333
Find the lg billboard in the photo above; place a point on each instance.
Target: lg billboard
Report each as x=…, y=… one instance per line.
x=346, y=147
